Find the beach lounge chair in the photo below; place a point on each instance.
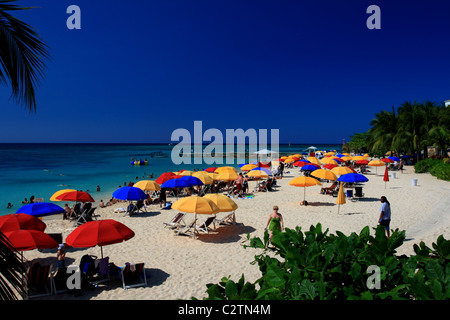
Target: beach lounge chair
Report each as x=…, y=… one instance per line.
x=133, y=275
x=140, y=206
x=188, y=230
x=38, y=281
x=87, y=215
x=330, y=190
x=101, y=267
x=131, y=210
x=204, y=226
x=176, y=221
x=59, y=280
x=227, y=220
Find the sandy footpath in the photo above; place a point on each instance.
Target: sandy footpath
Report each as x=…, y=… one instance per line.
x=179, y=267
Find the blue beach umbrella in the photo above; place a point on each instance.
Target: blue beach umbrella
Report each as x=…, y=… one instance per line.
x=175, y=183
x=40, y=209
x=394, y=158
x=309, y=167
x=191, y=181
x=129, y=194
x=352, y=178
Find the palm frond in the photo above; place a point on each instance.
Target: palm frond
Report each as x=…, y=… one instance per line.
x=22, y=56
x=11, y=271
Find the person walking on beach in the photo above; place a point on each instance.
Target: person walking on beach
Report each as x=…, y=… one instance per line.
x=385, y=215
x=162, y=197
x=275, y=222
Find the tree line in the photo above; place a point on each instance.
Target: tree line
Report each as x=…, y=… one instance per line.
x=409, y=129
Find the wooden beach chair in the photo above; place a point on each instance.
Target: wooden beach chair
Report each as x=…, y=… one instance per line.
x=227, y=220
x=188, y=230
x=38, y=281
x=176, y=221
x=133, y=275
x=204, y=226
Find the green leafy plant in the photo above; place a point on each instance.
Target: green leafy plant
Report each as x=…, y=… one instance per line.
x=315, y=265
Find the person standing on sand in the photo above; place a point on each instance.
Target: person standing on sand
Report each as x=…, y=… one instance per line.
x=275, y=222
x=385, y=215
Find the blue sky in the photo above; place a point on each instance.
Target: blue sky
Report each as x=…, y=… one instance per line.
x=138, y=70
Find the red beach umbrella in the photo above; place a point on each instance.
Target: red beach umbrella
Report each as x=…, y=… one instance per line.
x=386, y=177
x=99, y=233
x=363, y=162
x=300, y=163
x=387, y=160
x=330, y=166
x=164, y=177
x=24, y=240
x=17, y=221
x=211, y=169
x=78, y=196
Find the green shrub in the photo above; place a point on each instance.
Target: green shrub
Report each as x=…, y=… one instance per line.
x=314, y=265
x=438, y=168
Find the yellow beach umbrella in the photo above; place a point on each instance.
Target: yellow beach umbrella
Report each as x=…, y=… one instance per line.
x=341, y=170
x=304, y=182
x=289, y=160
x=226, y=176
x=204, y=177
x=224, y=203
x=347, y=158
x=196, y=204
x=341, y=196
x=248, y=167
x=257, y=174
x=314, y=160
x=357, y=158
x=283, y=157
x=225, y=169
x=60, y=192
x=147, y=185
x=213, y=175
x=376, y=163
x=329, y=161
x=324, y=174
x=186, y=173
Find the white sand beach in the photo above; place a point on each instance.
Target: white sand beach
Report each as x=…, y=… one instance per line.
x=179, y=267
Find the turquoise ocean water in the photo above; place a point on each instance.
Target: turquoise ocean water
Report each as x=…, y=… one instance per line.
x=40, y=170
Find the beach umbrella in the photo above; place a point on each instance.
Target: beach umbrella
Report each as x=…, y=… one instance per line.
x=129, y=194
x=191, y=181
x=310, y=167
x=40, y=209
x=225, y=169
x=304, y=182
x=211, y=169
x=362, y=162
x=394, y=158
x=57, y=193
x=376, y=163
x=289, y=160
x=227, y=176
x=213, y=175
x=341, y=170
x=329, y=161
x=324, y=174
x=356, y=158
x=204, y=177
x=186, y=173
x=99, y=233
x=314, y=160
x=164, y=177
x=267, y=171
x=341, y=196
x=78, y=196
x=257, y=174
x=17, y=221
x=248, y=167
x=387, y=160
x=175, y=183
x=24, y=240
x=225, y=204
x=386, y=177
x=346, y=158
x=147, y=185
x=197, y=205
x=352, y=178
x=330, y=166
x=301, y=163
